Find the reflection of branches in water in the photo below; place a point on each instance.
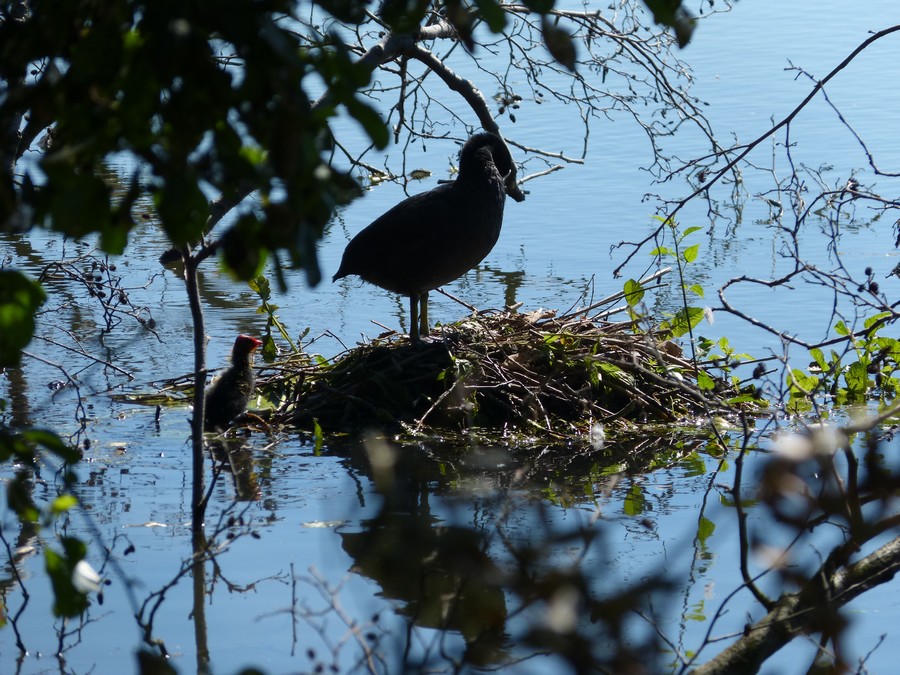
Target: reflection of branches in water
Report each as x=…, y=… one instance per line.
x=80, y=411
x=67, y=629
x=13, y=558
x=229, y=528
x=94, y=275
x=366, y=635
x=99, y=279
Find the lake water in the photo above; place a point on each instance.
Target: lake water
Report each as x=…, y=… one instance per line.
x=301, y=546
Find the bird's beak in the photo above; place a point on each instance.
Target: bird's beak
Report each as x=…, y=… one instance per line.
x=512, y=187
x=255, y=343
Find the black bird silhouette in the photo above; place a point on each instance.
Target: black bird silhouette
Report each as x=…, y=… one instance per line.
x=434, y=237
x=228, y=395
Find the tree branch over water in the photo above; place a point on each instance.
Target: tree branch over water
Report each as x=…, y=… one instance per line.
x=742, y=150
x=808, y=610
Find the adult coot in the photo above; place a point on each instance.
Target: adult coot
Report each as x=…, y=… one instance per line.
x=434, y=237
x=228, y=395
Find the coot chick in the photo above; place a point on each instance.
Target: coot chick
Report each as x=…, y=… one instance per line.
x=228, y=395
x=432, y=238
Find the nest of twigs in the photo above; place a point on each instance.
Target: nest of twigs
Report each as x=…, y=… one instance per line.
x=531, y=374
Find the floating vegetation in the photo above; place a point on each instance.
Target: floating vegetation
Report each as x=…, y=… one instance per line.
x=535, y=375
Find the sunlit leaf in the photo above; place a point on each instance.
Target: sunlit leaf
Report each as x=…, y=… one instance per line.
x=696, y=612
x=857, y=378
x=705, y=529
x=634, y=292
x=684, y=321
x=318, y=437
x=872, y=320
x=693, y=464
x=63, y=503
x=818, y=357
x=635, y=501
x=801, y=383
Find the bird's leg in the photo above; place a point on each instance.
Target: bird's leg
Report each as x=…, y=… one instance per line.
x=414, y=317
x=423, y=314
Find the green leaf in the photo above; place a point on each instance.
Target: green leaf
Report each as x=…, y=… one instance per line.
x=696, y=612
x=182, y=209
x=690, y=253
x=41, y=438
x=539, y=6
x=705, y=382
x=705, y=529
x=634, y=292
x=693, y=465
x=63, y=503
x=20, y=298
x=697, y=290
x=684, y=321
x=635, y=501
x=348, y=11
x=318, y=437
x=690, y=231
x=403, y=16
x=857, y=379
x=841, y=329
x=260, y=285
x=818, y=357
x=872, y=320
x=662, y=251
x=19, y=498
x=801, y=383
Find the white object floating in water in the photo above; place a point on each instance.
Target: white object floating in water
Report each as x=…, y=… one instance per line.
x=85, y=578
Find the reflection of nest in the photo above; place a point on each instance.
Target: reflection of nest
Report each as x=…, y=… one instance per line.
x=525, y=373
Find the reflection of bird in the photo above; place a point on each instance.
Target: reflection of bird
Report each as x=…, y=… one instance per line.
x=434, y=237
x=228, y=395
